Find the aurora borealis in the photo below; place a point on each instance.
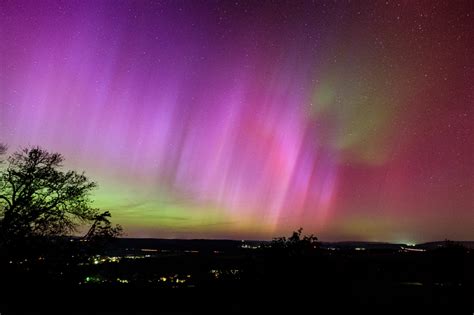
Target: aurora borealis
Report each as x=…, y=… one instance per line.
x=249, y=119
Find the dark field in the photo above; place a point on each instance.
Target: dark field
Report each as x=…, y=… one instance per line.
x=231, y=277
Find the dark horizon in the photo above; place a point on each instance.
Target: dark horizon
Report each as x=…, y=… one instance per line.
x=269, y=240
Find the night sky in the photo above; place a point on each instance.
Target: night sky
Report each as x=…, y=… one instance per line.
x=236, y=119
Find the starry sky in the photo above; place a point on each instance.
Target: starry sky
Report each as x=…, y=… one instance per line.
x=248, y=119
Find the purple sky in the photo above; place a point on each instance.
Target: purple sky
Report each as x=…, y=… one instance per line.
x=235, y=119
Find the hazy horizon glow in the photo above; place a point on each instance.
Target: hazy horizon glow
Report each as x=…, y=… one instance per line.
x=250, y=119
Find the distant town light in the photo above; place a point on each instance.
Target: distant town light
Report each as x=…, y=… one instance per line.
x=122, y=280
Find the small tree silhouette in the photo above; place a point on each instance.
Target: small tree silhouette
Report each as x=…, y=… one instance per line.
x=102, y=229
x=295, y=244
x=39, y=200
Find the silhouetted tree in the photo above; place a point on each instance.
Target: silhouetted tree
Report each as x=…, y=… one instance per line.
x=39, y=200
x=101, y=230
x=296, y=244
x=290, y=259
x=3, y=150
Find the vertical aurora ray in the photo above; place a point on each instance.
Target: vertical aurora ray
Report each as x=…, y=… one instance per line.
x=248, y=120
